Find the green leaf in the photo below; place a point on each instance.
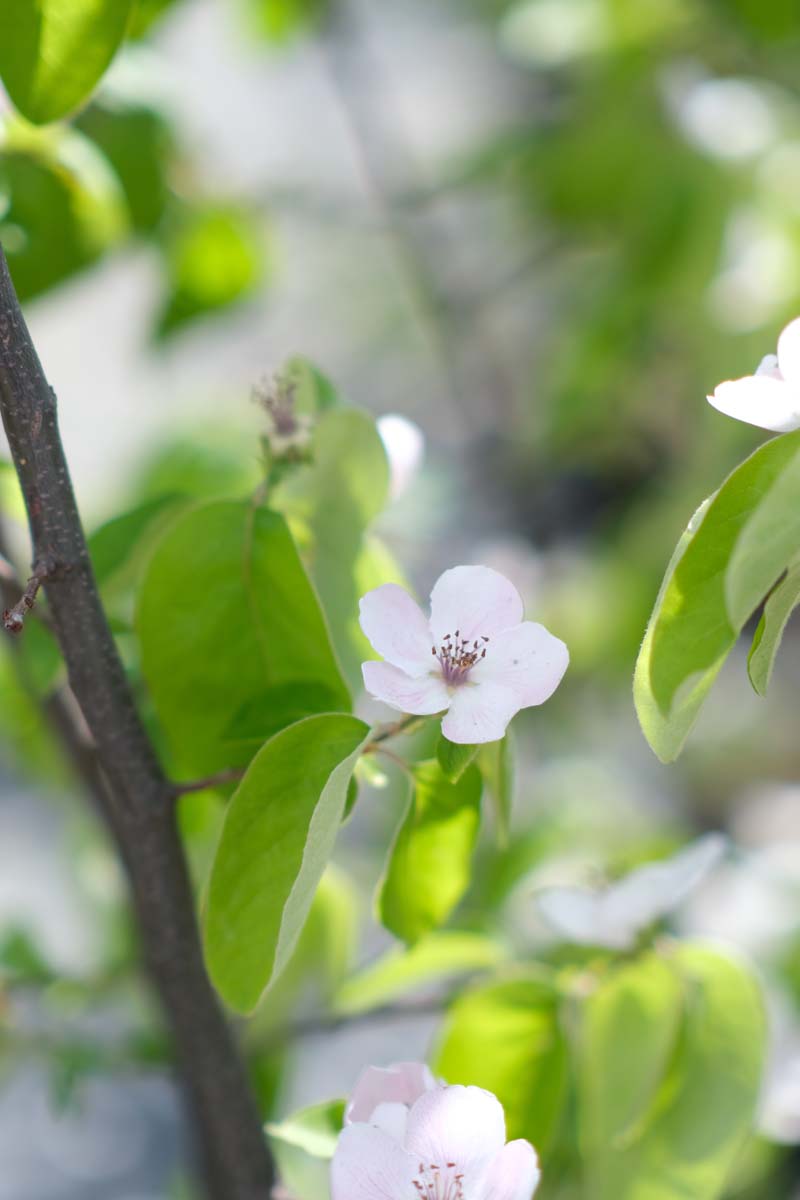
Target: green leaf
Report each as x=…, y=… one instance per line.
x=60, y=207
x=630, y=1026
x=436, y=957
x=453, y=758
x=506, y=1037
x=215, y=258
x=715, y=579
x=303, y=1145
x=706, y=1105
x=334, y=499
x=138, y=144
x=274, y=708
x=496, y=763
x=112, y=544
x=279, y=832
x=54, y=52
x=225, y=611
x=429, y=863
x=282, y=20
x=780, y=605
x=313, y=391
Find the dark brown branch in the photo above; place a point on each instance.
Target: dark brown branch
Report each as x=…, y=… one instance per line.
x=136, y=798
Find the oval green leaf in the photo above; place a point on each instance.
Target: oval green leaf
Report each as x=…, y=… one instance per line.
x=278, y=835
x=54, y=52
x=767, y=638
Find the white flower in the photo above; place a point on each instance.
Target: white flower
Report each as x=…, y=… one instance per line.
x=771, y=397
x=476, y=659
x=616, y=916
x=407, y=1137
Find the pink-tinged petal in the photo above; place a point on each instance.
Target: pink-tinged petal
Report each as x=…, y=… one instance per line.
x=476, y=601
x=759, y=400
x=769, y=366
x=789, y=353
x=392, y=1119
x=479, y=713
x=401, y=1083
x=527, y=660
x=514, y=1174
x=368, y=1164
x=396, y=628
x=461, y=1125
x=423, y=695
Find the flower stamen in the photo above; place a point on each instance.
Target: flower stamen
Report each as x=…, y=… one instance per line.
x=434, y=1184
x=457, y=656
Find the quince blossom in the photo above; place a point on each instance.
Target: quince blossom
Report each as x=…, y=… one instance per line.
x=407, y=1137
x=476, y=660
x=771, y=397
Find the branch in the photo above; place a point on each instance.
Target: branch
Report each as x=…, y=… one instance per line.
x=135, y=795
x=14, y=617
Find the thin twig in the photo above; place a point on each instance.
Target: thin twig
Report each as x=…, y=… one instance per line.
x=14, y=617
x=229, y=775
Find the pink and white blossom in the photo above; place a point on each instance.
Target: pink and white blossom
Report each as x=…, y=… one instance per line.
x=424, y=1140
x=476, y=659
x=771, y=397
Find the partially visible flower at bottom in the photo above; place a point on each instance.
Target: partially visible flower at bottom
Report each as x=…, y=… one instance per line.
x=416, y=1139
x=476, y=659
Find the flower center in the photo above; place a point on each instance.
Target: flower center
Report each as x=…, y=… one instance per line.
x=457, y=656
x=439, y=1183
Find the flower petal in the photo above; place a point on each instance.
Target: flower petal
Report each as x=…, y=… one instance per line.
x=759, y=400
x=396, y=628
x=527, y=660
x=789, y=353
x=422, y=695
x=514, y=1174
x=461, y=1125
x=479, y=713
x=368, y=1164
x=401, y=1083
x=476, y=601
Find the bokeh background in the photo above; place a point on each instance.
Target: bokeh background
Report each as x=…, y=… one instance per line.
x=539, y=229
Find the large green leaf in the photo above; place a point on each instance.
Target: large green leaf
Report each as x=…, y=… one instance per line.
x=53, y=52
x=226, y=611
x=436, y=957
x=506, y=1037
x=429, y=863
x=334, y=498
x=629, y=1030
x=733, y=552
x=279, y=832
x=138, y=143
x=767, y=638
x=706, y=1105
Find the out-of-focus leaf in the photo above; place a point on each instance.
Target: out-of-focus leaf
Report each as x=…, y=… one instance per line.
x=312, y=390
x=704, y=1110
x=429, y=863
x=334, y=499
x=138, y=144
x=60, y=208
x=436, y=957
x=453, y=758
x=147, y=13
x=112, y=544
x=780, y=605
x=215, y=258
x=280, y=20
x=54, y=52
x=226, y=610
x=210, y=464
x=506, y=1037
x=279, y=831
x=629, y=1031
x=303, y=1145
x=733, y=552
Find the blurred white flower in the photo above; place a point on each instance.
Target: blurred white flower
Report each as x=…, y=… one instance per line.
x=407, y=1137
x=476, y=660
x=404, y=443
x=615, y=916
x=771, y=397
